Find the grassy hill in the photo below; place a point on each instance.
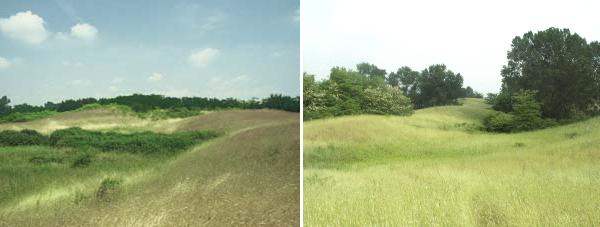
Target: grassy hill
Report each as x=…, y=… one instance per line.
x=248, y=176
x=435, y=168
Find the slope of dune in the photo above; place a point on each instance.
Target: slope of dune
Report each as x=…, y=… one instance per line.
x=249, y=176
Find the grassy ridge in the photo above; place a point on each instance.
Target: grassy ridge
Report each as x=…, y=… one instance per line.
x=247, y=176
x=435, y=169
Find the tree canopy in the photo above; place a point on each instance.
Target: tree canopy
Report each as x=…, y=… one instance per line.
x=561, y=67
x=348, y=92
x=144, y=103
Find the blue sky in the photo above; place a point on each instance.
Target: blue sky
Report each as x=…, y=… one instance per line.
x=54, y=50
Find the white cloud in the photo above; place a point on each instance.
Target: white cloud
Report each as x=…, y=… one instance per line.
x=155, y=77
x=203, y=57
x=4, y=63
x=84, y=31
x=24, y=26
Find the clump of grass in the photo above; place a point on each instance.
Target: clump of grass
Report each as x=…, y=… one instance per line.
x=571, y=135
x=519, y=144
x=108, y=188
x=80, y=197
x=39, y=160
x=82, y=161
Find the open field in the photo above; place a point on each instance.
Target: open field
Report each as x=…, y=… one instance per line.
x=250, y=175
x=435, y=168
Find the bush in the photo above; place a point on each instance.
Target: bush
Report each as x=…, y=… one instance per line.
x=386, y=101
x=29, y=116
x=490, y=98
x=502, y=102
x=499, y=122
x=22, y=138
x=139, y=142
x=526, y=115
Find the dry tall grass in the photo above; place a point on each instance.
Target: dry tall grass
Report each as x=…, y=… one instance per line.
x=435, y=169
x=248, y=177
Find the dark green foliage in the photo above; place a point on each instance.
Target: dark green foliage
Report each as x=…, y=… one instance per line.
x=405, y=79
x=176, y=107
x=499, y=122
x=281, y=102
x=22, y=138
x=438, y=86
x=82, y=161
x=108, y=188
x=4, y=107
x=527, y=112
x=26, y=108
x=503, y=102
x=490, y=98
x=139, y=142
x=526, y=115
x=434, y=86
x=562, y=67
x=374, y=74
x=72, y=104
x=468, y=92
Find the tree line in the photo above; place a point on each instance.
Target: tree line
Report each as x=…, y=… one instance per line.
x=369, y=89
x=551, y=76
x=144, y=103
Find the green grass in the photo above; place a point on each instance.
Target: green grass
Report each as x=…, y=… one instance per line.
x=41, y=176
x=435, y=168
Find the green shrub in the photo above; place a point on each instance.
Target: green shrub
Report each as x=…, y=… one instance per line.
x=139, y=142
x=526, y=115
x=499, y=122
x=22, y=138
x=29, y=116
